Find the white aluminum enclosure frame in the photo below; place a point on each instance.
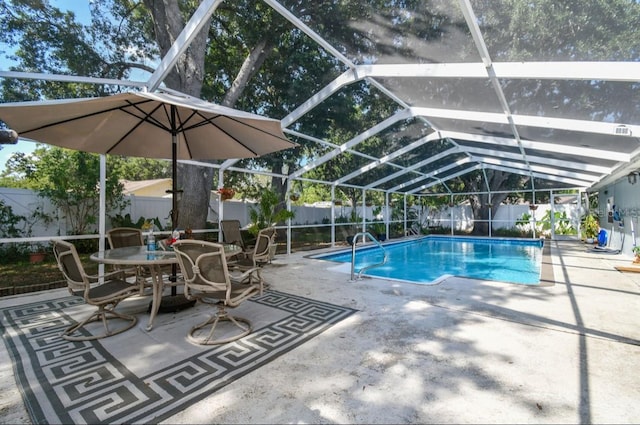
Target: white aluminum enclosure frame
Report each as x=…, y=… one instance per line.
x=582, y=167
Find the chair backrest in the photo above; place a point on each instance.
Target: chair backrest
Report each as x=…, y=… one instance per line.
x=264, y=241
x=70, y=265
x=120, y=237
x=231, y=232
x=203, y=265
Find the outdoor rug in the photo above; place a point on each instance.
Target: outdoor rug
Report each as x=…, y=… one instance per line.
x=140, y=376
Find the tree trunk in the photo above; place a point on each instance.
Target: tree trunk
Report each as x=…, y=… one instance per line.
x=250, y=66
x=480, y=201
x=278, y=185
x=480, y=214
x=187, y=76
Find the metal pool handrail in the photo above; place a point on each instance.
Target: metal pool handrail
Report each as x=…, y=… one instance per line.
x=353, y=255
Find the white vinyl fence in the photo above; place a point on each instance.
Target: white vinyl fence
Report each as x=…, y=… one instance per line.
x=24, y=202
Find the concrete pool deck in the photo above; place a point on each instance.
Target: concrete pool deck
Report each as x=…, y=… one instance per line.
x=462, y=351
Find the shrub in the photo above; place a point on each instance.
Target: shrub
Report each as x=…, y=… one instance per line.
x=10, y=227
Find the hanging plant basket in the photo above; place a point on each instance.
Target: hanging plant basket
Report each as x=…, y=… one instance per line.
x=337, y=202
x=294, y=197
x=368, y=204
x=226, y=193
x=533, y=207
x=451, y=205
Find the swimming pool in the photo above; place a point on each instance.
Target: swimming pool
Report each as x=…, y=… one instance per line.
x=426, y=259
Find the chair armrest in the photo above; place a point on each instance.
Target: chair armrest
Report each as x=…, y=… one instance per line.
x=116, y=274
x=247, y=276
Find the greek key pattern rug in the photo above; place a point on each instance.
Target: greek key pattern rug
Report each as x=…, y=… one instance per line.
x=139, y=376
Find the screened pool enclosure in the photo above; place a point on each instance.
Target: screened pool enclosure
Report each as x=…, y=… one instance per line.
x=421, y=106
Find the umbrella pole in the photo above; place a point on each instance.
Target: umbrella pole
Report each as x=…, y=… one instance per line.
x=174, y=302
x=174, y=192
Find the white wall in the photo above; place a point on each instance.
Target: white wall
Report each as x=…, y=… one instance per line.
x=24, y=202
x=626, y=198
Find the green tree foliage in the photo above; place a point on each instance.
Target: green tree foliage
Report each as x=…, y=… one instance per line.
x=49, y=40
x=70, y=180
x=9, y=222
x=135, y=169
x=253, y=59
x=12, y=226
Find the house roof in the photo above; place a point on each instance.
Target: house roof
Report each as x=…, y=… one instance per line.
x=155, y=187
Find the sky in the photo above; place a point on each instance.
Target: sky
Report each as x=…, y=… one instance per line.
x=81, y=9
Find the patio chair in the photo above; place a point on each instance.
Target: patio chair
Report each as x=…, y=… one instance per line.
x=105, y=296
x=120, y=237
x=231, y=233
x=262, y=252
x=207, y=278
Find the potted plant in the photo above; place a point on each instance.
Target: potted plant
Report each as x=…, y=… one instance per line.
x=266, y=212
x=37, y=253
x=636, y=252
x=590, y=228
x=337, y=202
x=380, y=230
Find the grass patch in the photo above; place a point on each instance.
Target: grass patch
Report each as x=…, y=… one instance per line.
x=22, y=276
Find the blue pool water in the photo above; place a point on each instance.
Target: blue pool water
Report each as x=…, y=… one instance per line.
x=426, y=259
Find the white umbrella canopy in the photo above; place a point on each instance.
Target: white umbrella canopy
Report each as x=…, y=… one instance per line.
x=138, y=124
x=148, y=125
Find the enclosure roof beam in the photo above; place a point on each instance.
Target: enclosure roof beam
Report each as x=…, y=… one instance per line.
x=342, y=80
x=308, y=31
x=580, y=166
x=549, y=171
x=557, y=70
x=329, y=144
x=70, y=79
x=598, y=127
x=604, y=71
x=413, y=167
x=387, y=158
x=542, y=146
x=481, y=46
x=191, y=29
x=401, y=115
x=433, y=174
x=450, y=177
x=575, y=182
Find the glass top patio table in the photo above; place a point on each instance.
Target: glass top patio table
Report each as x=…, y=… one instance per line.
x=140, y=256
x=134, y=255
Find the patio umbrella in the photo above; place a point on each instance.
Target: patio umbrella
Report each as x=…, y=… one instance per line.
x=139, y=124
